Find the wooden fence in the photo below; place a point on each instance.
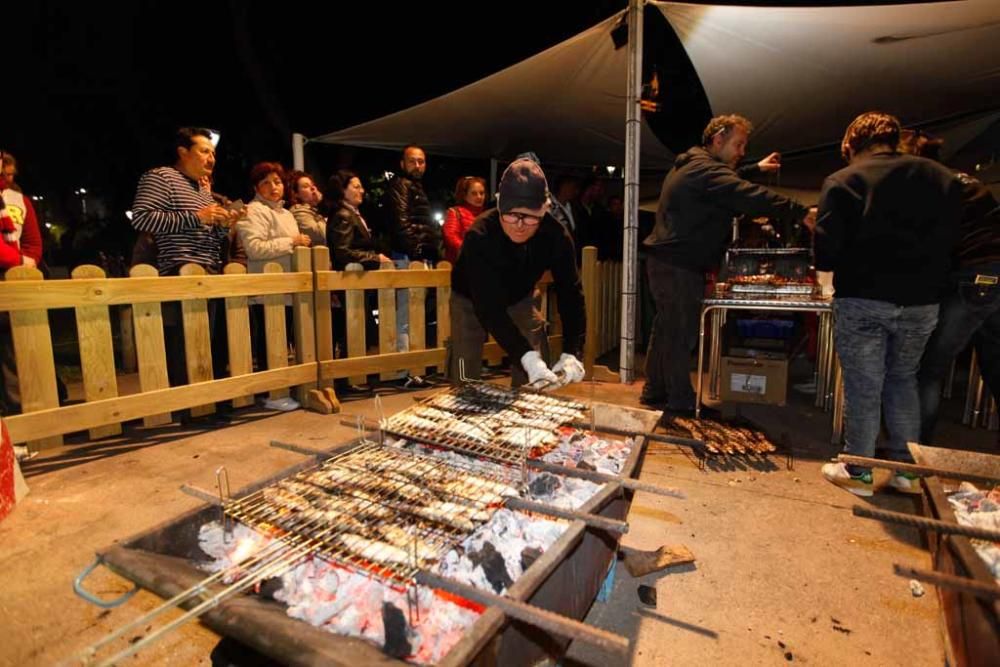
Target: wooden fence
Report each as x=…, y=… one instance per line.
x=28, y=298
x=602, y=286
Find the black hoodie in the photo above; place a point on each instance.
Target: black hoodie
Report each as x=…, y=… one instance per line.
x=699, y=199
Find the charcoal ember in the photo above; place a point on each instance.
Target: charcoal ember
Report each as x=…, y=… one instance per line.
x=493, y=566
x=544, y=485
x=397, y=645
x=269, y=587
x=586, y=465
x=577, y=437
x=528, y=556
x=647, y=595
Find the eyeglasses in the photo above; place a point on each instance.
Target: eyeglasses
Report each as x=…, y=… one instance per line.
x=522, y=219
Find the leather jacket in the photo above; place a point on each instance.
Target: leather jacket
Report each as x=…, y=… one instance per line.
x=350, y=240
x=412, y=231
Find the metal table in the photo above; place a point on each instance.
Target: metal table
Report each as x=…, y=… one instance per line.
x=829, y=388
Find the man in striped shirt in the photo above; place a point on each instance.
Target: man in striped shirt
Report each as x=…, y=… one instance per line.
x=189, y=227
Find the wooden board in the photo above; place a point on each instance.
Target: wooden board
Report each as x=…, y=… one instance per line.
x=382, y=279
x=357, y=345
x=149, y=346
x=82, y=416
x=443, y=314
x=339, y=368
x=418, y=318
x=73, y=293
x=323, y=316
x=589, y=279
x=302, y=320
x=36, y=366
x=97, y=354
x=238, y=334
x=197, y=340
x=275, y=334
x=387, y=323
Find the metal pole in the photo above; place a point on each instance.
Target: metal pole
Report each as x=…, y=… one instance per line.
x=298, y=151
x=633, y=124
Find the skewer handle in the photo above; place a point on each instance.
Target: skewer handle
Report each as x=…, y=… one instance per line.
x=970, y=586
x=658, y=437
x=942, y=527
x=592, y=520
x=540, y=618
x=918, y=469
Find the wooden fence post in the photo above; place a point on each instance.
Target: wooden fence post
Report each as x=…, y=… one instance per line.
x=357, y=345
x=149, y=346
x=238, y=334
x=589, y=279
x=275, y=333
x=36, y=365
x=387, y=322
x=322, y=399
x=418, y=319
x=197, y=340
x=303, y=312
x=97, y=354
x=444, y=316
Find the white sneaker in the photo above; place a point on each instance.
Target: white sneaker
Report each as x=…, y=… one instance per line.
x=905, y=482
x=859, y=485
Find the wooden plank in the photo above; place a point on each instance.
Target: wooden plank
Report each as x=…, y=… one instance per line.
x=387, y=322
x=443, y=314
x=97, y=354
x=339, y=368
x=589, y=279
x=112, y=292
x=323, y=316
x=238, y=335
x=197, y=340
x=303, y=311
x=382, y=279
x=357, y=345
x=149, y=345
x=82, y=416
x=36, y=365
x=418, y=318
x=275, y=334
x=130, y=363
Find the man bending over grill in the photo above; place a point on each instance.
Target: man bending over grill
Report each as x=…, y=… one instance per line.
x=506, y=251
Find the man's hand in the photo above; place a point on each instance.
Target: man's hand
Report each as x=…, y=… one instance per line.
x=538, y=372
x=301, y=240
x=382, y=259
x=809, y=222
x=28, y=261
x=771, y=163
x=570, y=367
x=213, y=214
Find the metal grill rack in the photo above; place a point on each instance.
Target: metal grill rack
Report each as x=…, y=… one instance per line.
x=486, y=421
x=382, y=511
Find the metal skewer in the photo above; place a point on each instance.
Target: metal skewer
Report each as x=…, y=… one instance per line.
x=942, y=527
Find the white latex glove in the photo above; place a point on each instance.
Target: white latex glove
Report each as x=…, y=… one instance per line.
x=536, y=369
x=825, y=281
x=570, y=367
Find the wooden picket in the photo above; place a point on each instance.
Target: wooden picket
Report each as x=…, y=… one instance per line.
x=97, y=354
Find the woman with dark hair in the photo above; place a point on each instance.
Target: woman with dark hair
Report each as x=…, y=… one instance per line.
x=470, y=196
x=347, y=234
x=303, y=198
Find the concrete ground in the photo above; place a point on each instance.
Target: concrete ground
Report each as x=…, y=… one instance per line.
x=784, y=572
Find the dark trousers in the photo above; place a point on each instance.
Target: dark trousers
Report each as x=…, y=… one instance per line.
x=173, y=331
x=971, y=312
x=677, y=293
x=468, y=338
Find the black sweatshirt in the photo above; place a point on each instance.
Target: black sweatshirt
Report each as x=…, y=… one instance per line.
x=699, y=199
x=495, y=273
x=887, y=226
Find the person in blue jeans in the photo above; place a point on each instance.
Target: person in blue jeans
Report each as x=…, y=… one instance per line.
x=971, y=311
x=886, y=227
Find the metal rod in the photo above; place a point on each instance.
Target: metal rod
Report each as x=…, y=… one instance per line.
x=539, y=618
x=658, y=437
x=299, y=449
x=918, y=469
x=593, y=520
x=594, y=476
x=970, y=586
x=201, y=494
x=942, y=527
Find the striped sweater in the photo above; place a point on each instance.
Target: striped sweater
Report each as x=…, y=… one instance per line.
x=166, y=205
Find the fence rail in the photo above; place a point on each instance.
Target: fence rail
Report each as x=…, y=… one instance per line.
x=143, y=301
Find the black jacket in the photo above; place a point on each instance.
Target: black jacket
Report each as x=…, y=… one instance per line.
x=887, y=226
x=350, y=241
x=699, y=199
x=495, y=273
x=411, y=229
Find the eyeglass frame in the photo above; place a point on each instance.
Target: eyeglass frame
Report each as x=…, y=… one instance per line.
x=520, y=219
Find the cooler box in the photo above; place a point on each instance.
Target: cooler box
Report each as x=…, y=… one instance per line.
x=754, y=380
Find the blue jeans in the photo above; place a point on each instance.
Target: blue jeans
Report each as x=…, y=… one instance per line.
x=880, y=345
x=402, y=262
x=971, y=312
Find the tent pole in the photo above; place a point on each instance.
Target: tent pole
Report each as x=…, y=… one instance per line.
x=493, y=177
x=298, y=151
x=630, y=263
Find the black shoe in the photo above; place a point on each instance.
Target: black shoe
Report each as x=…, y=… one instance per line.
x=415, y=382
x=653, y=400
x=345, y=389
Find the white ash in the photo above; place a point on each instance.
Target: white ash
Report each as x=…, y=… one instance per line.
x=982, y=510
x=579, y=449
x=346, y=602
x=517, y=537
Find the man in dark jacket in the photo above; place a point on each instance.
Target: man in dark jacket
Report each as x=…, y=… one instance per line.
x=505, y=252
x=413, y=234
x=886, y=228
x=701, y=195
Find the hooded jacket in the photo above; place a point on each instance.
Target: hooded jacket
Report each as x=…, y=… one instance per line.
x=700, y=197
